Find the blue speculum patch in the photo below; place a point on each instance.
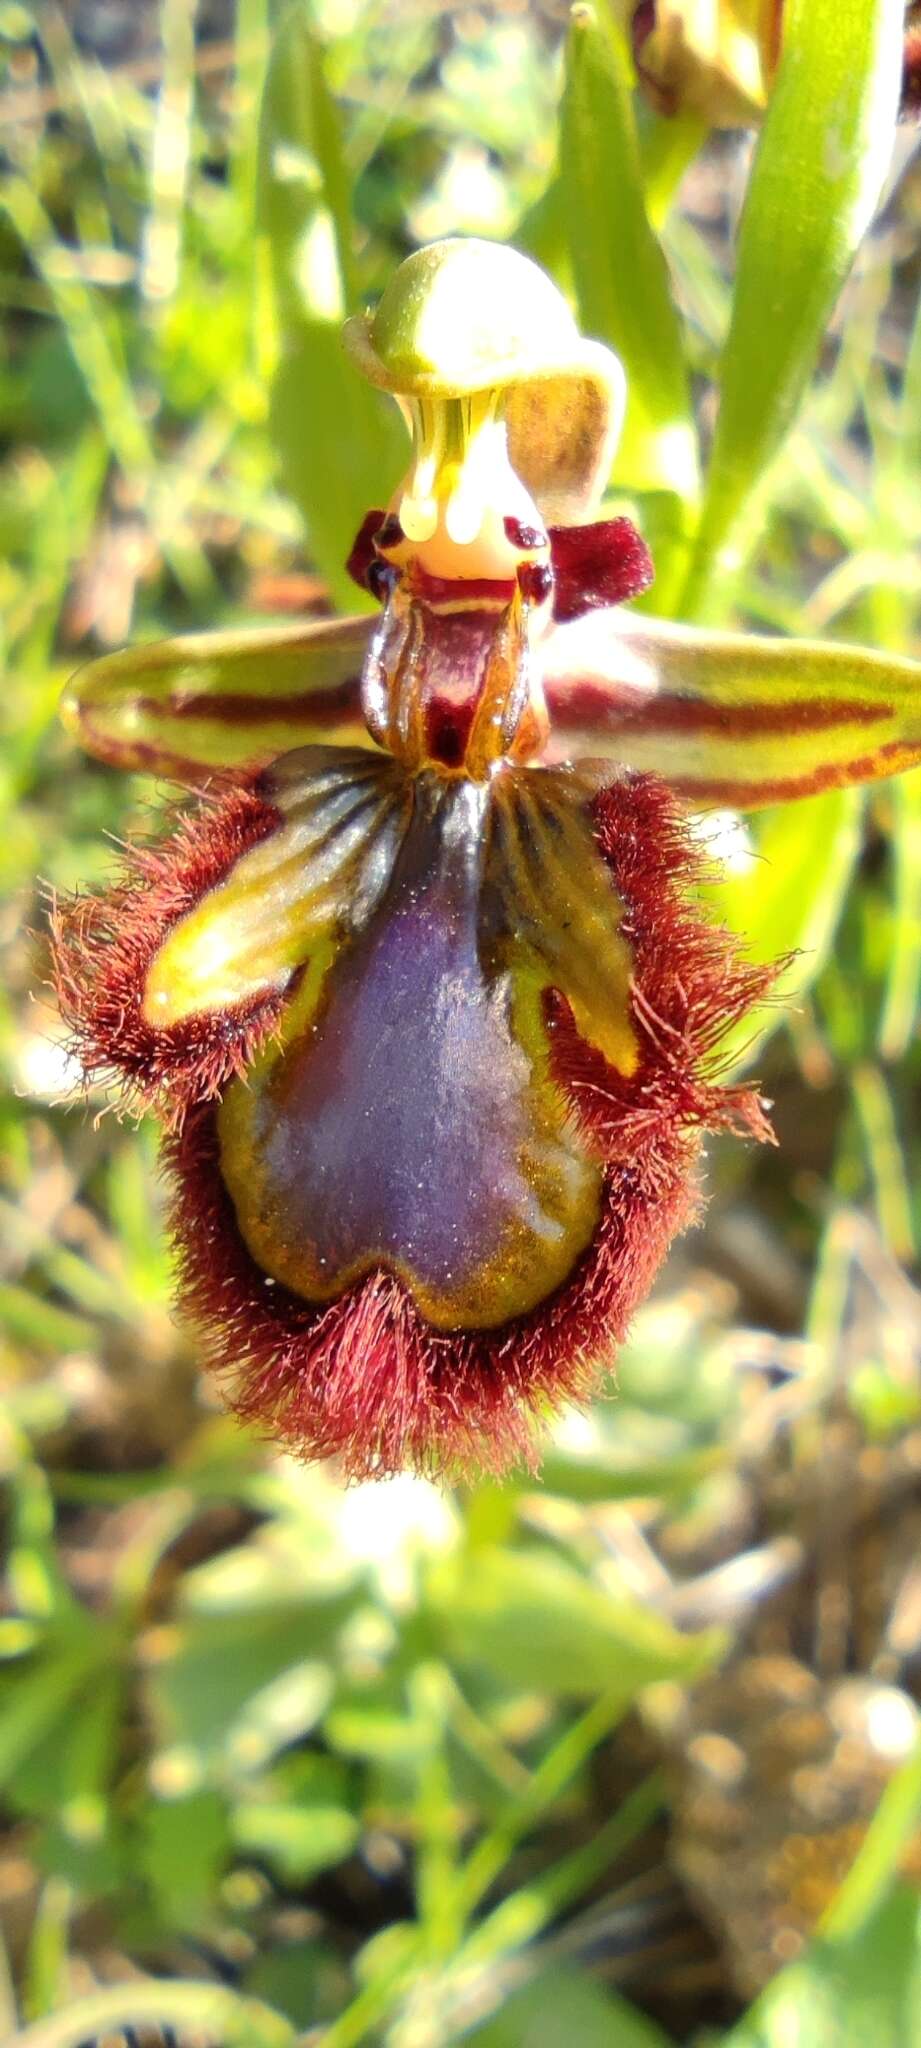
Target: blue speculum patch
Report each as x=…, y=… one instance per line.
x=408, y=1120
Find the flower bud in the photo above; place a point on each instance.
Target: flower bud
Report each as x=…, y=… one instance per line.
x=910, y=109
x=714, y=58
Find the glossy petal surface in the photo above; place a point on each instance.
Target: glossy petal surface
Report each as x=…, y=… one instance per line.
x=215, y=702
x=408, y=1120
x=729, y=718
x=366, y=1376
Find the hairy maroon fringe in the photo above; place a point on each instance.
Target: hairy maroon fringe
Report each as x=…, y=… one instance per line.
x=102, y=948
x=910, y=103
x=366, y=1379
x=690, y=985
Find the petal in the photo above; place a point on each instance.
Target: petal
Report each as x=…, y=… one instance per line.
x=222, y=701
x=342, y=816
x=729, y=718
x=172, y=980
x=425, y=1147
x=103, y=948
x=597, y=566
x=405, y=1116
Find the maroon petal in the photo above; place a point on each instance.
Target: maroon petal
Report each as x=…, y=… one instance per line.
x=597, y=565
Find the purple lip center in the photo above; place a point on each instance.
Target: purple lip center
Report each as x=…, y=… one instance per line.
x=407, y=1126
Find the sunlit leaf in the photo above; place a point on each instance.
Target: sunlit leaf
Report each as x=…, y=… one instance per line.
x=183, y=1849
x=535, y=1622
x=341, y=445
x=561, y=2008
x=787, y=896
x=621, y=276
x=847, y=1994
x=816, y=178
x=296, y=1841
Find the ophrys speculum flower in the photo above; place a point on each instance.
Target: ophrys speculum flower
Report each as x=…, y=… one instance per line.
x=422, y=993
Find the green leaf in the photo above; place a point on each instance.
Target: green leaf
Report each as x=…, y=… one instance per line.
x=535, y=1622
x=903, y=982
x=847, y=1994
x=39, y=1699
x=620, y=272
x=341, y=445
x=303, y=182
x=185, y=1846
x=816, y=178
x=227, y=1681
x=609, y=1472
x=45, y=1971
x=69, y=1769
x=296, y=1841
x=891, y=1829
x=668, y=144
x=563, y=2007
x=342, y=448
x=790, y=898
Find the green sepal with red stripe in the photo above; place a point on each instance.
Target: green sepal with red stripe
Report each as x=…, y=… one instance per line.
x=216, y=703
x=729, y=718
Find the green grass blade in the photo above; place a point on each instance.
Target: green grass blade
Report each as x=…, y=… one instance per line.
x=341, y=446
x=302, y=169
x=816, y=178
x=620, y=272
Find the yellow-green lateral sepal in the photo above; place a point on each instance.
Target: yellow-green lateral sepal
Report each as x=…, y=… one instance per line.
x=730, y=718
x=462, y=317
x=214, y=702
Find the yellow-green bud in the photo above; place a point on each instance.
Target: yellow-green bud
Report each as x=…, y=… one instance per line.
x=714, y=58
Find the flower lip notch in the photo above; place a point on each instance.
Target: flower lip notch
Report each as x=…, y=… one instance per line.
x=423, y=993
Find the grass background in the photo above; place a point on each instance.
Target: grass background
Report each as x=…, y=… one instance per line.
x=596, y=1759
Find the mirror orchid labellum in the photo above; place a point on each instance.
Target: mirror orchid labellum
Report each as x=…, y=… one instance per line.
x=422, y=991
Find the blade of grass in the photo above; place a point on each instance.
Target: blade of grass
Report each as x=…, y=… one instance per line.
x=618, y=265
x=886, y=1159
x=877, y=1860
x=820, y=163
x=102, y=369
x=529, y=1910
x=555, y=1771
x=161, y=250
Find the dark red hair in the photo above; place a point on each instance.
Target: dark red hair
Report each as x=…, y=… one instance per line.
x=365, y=1378
x=103, y=947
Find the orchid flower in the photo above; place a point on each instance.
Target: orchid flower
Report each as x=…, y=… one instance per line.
x=422, y=990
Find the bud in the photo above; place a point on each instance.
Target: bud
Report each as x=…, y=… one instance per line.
x=911, y=64
x=716, y=58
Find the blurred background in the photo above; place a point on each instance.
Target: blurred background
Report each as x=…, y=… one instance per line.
x=593, y=1758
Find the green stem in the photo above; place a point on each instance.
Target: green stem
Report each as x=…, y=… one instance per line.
x=526, y=1913
x=553, y=1774
x=373, y=2004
